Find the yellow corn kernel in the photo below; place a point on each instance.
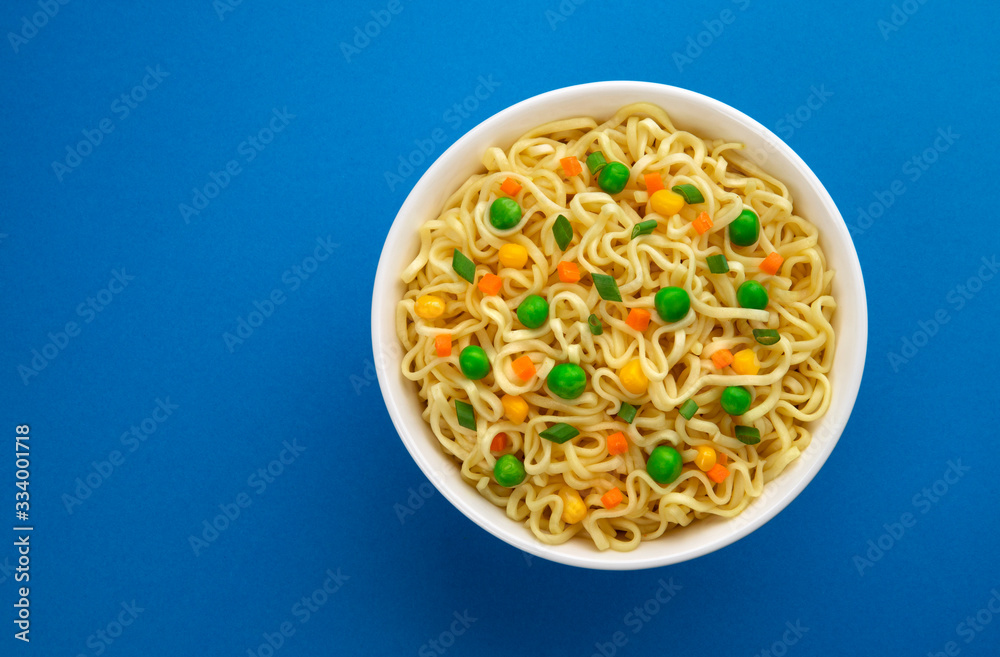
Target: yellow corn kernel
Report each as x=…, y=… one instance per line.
x=633, y=378
x=514, y=256
x=705, y=458
x=666, y=202
x=429, y=307
x=574, y=510
x=745, y=362
x=515, y=408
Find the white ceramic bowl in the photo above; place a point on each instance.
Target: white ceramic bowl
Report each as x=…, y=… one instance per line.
x=706, y=118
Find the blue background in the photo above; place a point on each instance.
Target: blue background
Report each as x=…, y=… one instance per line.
x=305, y=373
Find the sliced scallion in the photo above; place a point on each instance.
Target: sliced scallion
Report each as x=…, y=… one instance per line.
x=465, y=267
x=466, y=415
x=627, y=412
x=643, y=228
x=766, y=336
x=594, y=322
x=747, y=435
x=690, y=193
x=596, y=162
x=717, y=264
x=560, y=433
x=607, y=287
x=563, y=232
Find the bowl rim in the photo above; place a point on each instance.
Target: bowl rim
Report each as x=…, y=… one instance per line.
x=510, y=531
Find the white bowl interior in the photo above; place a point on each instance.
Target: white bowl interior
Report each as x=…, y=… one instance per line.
x=706, y=118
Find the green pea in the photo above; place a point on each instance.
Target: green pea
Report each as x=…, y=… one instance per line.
x=664, y=464
x=745, y=229
x=752, y=295
x=533, y=311
x=567, y=380
x=509, y=471
x=505, y=213
x=613, y=177
x=736, y=400
x=672, y=303
x=474, y=362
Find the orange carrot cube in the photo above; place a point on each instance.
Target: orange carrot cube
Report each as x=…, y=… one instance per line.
x=718, y=473
x=638, y=318
x=617, y=444
x=772, y=263
x=722, y=357
x=703, y=223
x=612, y=498
x=568, y=272
x=571, y=166
x=499, y=442
x=510, y=187
x=490, y=284
x=523, y=368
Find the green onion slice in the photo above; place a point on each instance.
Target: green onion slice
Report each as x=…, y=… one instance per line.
x=466, y=416
x=766, y=336
x=563, y=232
x=560, y=433
x=690, y=193
x=643, y=228
x=607, y=287
x=747, y=435
x=596, y=162
x=594, y=322
x=465, y=267
x=717, y=264
x=688, y=409
x=627, y=412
